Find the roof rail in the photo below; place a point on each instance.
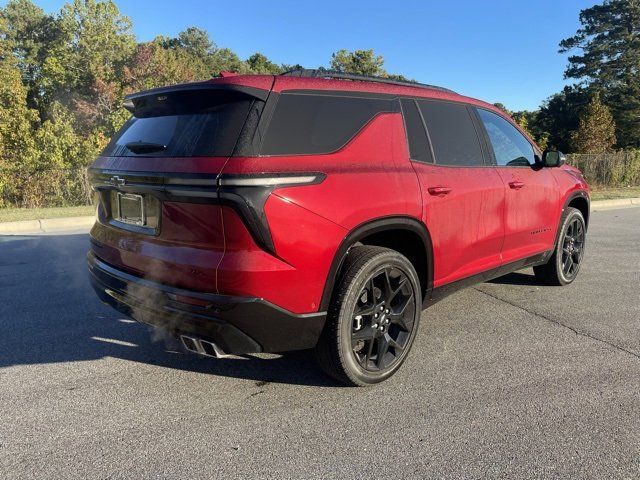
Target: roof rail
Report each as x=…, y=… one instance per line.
x=323, y=73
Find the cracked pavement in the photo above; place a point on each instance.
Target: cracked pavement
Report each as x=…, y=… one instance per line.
x=506, y=379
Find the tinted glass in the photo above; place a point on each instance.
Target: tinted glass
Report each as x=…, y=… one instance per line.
x=417, y=136
x=190, y=124
x=304, y=124
x=452, y=133
x=510, y=147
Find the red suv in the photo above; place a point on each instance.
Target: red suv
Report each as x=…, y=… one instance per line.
x=317, y=210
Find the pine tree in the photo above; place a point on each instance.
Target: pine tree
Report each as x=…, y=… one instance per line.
x=605, y=56
x=596, y=131
x=361, y=62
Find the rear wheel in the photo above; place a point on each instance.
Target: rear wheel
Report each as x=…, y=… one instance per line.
x=373, y=318
x=563, y=266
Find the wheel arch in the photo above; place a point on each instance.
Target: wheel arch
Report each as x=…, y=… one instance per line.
x=579, y=200
x=406, y=235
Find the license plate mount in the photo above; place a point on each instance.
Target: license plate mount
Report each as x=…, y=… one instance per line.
x=130, y=209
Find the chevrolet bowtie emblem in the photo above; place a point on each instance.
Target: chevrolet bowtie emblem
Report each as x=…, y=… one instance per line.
x=117, y=181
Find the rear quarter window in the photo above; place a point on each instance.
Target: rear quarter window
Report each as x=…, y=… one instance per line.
x=317, y=124
x=416, y=135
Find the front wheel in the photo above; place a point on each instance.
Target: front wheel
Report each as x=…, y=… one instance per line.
x=563, y=266
x=373, y=318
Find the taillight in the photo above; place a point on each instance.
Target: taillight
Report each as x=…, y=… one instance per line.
x=271, y=180
x=247, y=195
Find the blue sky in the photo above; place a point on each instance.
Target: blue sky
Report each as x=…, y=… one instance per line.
x=500, y=50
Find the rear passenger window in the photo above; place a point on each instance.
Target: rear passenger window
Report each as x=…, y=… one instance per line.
x=452, y=133
x=416, y=135
x=308, y=124
x=510, y=147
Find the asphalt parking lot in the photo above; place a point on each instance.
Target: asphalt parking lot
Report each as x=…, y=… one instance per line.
x=507, y=379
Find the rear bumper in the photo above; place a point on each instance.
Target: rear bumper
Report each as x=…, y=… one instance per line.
x=236, y=324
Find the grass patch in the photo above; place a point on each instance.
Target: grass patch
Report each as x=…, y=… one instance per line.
x=609, y=193
x=18, y=214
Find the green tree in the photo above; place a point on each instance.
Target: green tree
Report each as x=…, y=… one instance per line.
x=196, y=42
x=559, y=115
x=191, y=56
x=226, y=60
x=360, y=62
x=258, y=63
x=192, y=50
x=26, y=31
x=522, y=119
x=16, y=118
x=529, y=122
x=58, y=144
x=401, y=78
x=99, y=40
x=608, y=59
x=17, y=121
x=153, y=65
x=84, y=67
x=287, y=67
x=502, y=107
x=69, y=67
x=596, y=130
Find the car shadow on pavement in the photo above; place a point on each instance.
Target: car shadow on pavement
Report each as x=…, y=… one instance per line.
x=49, y=314
x=517, y=278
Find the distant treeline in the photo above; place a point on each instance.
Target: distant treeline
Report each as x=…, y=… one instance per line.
x=63, y=77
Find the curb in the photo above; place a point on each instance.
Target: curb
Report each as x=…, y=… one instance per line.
x=617, y=203
x=48, y=225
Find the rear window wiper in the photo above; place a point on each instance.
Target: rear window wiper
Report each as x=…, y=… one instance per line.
x=145, y=147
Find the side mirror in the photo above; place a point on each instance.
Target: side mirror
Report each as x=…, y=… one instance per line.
x=553, y=158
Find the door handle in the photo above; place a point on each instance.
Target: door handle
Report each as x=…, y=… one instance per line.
x=441, y=191
x=516, y=185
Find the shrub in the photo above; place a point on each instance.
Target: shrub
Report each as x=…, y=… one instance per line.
x=619, y=169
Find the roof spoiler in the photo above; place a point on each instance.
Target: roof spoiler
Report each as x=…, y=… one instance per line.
x=130, y=100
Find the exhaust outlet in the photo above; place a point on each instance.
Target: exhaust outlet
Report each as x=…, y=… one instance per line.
x=190, y=343
x=202, y=347
x=212, y=350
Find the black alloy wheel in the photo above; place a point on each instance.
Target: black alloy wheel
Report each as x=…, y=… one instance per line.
x=373, y=317
x=565, y=262
x=383, y=319
x=573, y=248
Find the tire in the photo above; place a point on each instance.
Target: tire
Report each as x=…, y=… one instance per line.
x=368, y=336
x=563, y=266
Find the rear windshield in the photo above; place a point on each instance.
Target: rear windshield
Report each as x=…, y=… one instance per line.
x=183, y=124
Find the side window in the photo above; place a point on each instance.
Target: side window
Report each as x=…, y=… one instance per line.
x=416, y=135
x=510, y=147
x=316, y=124
x=452, y=133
